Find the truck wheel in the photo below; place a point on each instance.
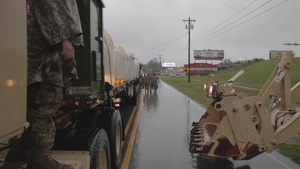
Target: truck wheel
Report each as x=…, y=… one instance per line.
x=115, y=133
x=100, y=151
x=88, y=118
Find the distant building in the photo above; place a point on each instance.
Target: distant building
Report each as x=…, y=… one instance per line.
x=202, y=68
x=275, y=54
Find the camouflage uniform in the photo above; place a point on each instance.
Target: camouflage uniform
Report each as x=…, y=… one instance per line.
x=142, y=81
x=49, y=22
x=154, y=82
x=148, y=82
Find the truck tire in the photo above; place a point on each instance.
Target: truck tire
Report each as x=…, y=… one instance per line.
x=100, y=151
x=115, y=134
x=94, y=140
x=88, y=118
x=110, y=120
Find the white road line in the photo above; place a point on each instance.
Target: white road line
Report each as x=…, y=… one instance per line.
x=275, y=159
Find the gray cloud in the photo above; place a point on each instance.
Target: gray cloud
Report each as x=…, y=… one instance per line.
x=140, y=25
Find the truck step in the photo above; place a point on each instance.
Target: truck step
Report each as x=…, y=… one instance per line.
x=76, y=164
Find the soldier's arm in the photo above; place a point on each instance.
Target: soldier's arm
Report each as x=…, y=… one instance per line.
x=58, y=20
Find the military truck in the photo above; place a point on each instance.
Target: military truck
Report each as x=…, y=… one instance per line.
x=89, y=125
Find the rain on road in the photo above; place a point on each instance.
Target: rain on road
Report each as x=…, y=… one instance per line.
x=162, y=136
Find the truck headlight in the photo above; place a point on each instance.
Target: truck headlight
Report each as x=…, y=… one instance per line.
x=210, y=90
x=205, y=87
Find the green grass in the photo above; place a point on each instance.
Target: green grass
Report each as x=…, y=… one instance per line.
x=291, y=149
x=255, y=75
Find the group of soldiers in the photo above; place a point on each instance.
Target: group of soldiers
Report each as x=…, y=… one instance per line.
x=149, y=82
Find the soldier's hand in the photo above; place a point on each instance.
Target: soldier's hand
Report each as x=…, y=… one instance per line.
x=67, y=51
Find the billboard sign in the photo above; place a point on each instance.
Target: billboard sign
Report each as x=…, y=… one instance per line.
x=274, y=54
x=209, y=54
x=168, y=65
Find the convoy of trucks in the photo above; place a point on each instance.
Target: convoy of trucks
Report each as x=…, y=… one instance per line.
x=90, y=128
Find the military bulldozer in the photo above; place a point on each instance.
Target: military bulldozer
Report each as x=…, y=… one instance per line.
x=241, y=127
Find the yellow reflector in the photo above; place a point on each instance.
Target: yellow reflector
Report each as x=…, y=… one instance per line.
x=119, y=81
x=205, y=87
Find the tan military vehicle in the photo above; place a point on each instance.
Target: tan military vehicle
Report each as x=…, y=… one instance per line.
x=243, y=127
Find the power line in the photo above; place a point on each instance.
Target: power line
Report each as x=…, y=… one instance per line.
x=180, y=52
x=237, y=20
x=225, y=20
x=204, y=40
x=215, y=33
x=216, y=11
x=161, y=44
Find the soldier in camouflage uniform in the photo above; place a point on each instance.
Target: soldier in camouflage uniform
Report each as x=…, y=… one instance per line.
x=54, y=29
x=154, y=81
x=148, y=82
x=142, y=81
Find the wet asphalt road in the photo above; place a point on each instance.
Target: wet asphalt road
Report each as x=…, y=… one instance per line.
x=163, y=136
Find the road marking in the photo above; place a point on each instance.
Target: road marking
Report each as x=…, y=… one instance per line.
x=129, y=123
x=274, y=158
x=197, y=104
x=127, y=157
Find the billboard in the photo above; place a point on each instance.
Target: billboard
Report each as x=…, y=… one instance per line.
x=168, y=65
x=209, y=54
x=274, y=54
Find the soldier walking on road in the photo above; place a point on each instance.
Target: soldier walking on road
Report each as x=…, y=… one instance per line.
x=148, y=82
x=154, y=82
x=142, y=81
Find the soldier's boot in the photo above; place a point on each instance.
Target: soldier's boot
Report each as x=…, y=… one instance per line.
x=44, y=161
x=16, y=157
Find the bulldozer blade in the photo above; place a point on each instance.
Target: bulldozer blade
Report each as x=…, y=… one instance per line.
x=210, y=140
x=219, y=134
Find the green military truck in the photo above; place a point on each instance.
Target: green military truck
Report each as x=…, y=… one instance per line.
x=89, y=125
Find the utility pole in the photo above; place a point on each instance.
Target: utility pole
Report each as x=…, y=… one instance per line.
x=189, y=26
x=160, y=67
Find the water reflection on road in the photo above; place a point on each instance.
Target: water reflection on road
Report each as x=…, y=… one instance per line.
x=163, y=135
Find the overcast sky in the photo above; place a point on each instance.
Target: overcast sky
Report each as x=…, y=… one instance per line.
x=244, y=29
